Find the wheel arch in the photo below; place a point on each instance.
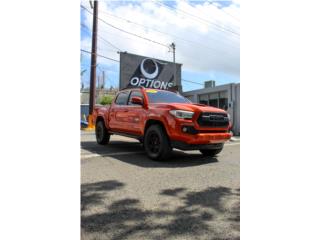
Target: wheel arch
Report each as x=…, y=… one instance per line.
x=150, y=122
x=100, y=118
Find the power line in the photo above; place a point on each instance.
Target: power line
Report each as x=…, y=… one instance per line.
x=230, y=14
x=191, y=82
x=103, y=49
x=185, y=80
x=130, y=38
x=150, y=40
x=103, y=39
x=198, y=44
x=126, y=36
x=99, y=55
x=109, y=43
x=214, y=54
x=222, y=10
x=215, y=51
x=168, y=34
x=196, y=17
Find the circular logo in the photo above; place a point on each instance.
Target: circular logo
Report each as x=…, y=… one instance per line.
x=149, y=68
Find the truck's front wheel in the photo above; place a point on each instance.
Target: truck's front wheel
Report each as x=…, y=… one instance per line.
x=156, y=143
x=102, y=135
x=210, y=152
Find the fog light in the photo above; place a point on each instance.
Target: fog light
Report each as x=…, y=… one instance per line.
x=189, y=129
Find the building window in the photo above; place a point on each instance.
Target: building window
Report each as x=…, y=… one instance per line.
x=223, y=100
x=203, y=99
x=214, y=99
x=217, y=99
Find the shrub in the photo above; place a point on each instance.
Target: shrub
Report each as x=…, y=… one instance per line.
x=106, y=100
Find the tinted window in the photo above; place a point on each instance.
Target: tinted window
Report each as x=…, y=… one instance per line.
x=122, y=98
x=135, y=94
x=156, y=96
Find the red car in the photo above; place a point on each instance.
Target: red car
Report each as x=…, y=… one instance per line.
x=163, y=120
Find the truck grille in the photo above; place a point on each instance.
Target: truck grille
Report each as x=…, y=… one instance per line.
x=212, y=119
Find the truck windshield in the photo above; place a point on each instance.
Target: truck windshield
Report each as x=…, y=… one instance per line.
x=156, y=96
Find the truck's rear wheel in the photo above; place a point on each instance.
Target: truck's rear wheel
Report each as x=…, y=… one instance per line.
x=156, y=143
x=102, y=135
x=210, y=152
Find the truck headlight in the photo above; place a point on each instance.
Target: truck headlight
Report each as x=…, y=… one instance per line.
x=181, y=114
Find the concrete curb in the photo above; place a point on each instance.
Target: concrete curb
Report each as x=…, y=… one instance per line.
x=235, y=139
x=88, y=129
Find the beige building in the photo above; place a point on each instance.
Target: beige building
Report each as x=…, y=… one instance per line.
x=84, y=94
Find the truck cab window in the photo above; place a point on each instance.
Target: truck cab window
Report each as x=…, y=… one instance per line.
x=122, y=98
x=134, y=94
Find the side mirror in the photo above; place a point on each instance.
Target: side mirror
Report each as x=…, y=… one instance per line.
x=137, y=100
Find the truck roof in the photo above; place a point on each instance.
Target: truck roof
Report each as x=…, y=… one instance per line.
x=140, y=87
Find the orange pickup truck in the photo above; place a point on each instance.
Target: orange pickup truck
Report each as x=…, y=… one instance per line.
x=163, y=120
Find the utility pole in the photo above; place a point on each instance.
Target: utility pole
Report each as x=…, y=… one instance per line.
x=173, y=45
x=93, y=63
x=175, y=87
x=103, y=79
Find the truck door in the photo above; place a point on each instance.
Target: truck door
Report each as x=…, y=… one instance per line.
x=135, y=114
x=118, y=112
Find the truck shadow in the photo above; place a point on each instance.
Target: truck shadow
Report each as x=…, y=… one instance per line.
x=188, y=214
x=133, y=153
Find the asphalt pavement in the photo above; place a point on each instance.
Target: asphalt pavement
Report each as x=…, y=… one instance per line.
x=125, y=195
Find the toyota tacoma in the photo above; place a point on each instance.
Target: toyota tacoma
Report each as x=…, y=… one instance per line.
x=163, y=120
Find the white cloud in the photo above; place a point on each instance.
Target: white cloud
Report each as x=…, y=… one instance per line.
x=212, y=49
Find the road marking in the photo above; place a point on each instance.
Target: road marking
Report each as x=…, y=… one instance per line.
x=231, y=144
x=91, y=155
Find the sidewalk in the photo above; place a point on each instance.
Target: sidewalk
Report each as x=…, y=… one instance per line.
x=235, y=139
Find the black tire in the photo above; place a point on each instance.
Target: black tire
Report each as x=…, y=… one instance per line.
x=156, y=143
x=102, y=135
x=210, y=152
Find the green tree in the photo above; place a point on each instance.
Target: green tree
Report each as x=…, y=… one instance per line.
x=106, y=100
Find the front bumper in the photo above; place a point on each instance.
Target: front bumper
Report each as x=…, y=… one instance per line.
x=196, y=137
x=204, y=138
x=185, y=146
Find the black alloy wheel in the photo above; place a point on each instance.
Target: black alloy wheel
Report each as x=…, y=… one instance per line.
x=156, y=143
x=102, y=135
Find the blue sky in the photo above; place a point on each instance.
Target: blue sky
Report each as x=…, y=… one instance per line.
x=206, y=50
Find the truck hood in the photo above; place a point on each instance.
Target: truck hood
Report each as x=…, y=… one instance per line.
x=188, y=107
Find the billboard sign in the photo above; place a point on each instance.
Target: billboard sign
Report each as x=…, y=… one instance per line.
x=136, y=70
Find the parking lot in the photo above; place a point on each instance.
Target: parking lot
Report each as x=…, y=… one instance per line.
x=125, y=195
